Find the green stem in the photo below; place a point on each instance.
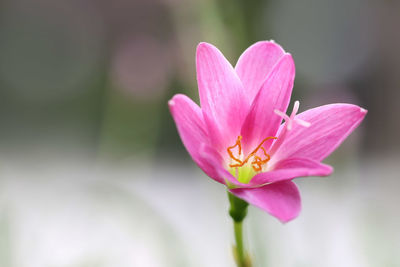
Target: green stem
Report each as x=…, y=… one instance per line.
x=238, y=211
x=241, y=260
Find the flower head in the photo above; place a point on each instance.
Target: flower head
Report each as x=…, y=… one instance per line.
x=241, y=136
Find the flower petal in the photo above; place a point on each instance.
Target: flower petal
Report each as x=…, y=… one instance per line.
x=288, y=169
x=281, y=199
x=330, y=125
x=216, y=161
x=222, y=97
x=190, y=124
x=256, y=63
x=262, y=121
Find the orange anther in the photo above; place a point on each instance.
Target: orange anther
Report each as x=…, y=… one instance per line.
x=238, y=143
x=257, y=162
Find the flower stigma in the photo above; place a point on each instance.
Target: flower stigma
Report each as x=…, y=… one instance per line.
x=244, y=169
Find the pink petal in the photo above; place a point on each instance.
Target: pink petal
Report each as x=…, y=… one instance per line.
x=222, y=97
x=262, y=121
x=288, y=169
x=281, y=199
x=330, y=125
x=256, y=63
x=216, y=161
x=190, y=124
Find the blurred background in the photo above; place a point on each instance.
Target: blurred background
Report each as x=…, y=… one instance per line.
x=92, y=170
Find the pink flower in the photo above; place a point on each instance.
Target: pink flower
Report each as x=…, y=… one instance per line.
x=237, y=137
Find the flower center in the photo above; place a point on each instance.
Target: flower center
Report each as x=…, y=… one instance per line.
x=254, y=159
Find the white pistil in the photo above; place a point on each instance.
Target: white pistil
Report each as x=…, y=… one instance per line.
x=289, y=120
x=303, y=123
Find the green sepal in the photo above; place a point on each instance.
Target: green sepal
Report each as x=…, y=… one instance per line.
x=238, y=208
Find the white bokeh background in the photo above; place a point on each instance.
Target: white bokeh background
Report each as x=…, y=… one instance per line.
x=77, y=213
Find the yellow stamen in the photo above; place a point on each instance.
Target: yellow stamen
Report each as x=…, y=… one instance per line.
x=257, y=162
